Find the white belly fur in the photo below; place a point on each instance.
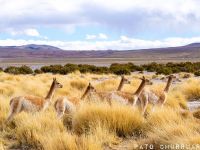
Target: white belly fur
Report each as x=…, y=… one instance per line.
x=69, y=106
x=28, y=106
x=119, y=99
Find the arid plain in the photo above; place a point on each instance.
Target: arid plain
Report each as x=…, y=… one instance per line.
x=96, y=124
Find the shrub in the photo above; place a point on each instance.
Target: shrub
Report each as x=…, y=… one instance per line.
x=38, y=71
x=165, y=71
x=71, y=67
x=1, y=69
x=25, y=70
x=93, y=69
x=120, y=69
x=19, y=70
x=114, y=68
x=53, y=69
x=197, y=73
x=12, y=70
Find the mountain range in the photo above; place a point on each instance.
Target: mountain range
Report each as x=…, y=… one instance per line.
x=45, y=51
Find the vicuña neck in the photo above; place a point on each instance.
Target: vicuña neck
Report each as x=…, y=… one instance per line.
x=169, y=82
x=120, y=85
x=50, y=93
x=85, y=93
x=140, y=88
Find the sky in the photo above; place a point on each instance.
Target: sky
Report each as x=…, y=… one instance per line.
x=100, y=24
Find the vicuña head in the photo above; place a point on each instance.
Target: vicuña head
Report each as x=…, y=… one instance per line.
x=146, y=81
x=122, y=82
x=56, y=83
x=32, y=103
x=140, y=89
x=169, y=82
x=88, y=90
x=125, y=80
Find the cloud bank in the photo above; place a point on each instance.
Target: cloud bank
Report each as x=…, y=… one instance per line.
x=137, y=23
x=123, y=15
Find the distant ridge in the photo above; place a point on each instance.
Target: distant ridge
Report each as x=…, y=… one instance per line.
x=32, y=47
x=189, y=51
x=193, y=45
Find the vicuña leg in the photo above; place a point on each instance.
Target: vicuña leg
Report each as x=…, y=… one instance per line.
x=15, y=108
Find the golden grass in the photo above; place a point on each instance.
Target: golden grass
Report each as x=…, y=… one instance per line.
x=170, y=128
x=96, y=125
x=120, y=120
x=190, y=88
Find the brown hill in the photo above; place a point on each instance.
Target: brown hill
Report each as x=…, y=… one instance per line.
x=44, y=51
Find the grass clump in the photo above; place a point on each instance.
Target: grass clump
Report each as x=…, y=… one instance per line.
x=120, y=120
x=191, y=89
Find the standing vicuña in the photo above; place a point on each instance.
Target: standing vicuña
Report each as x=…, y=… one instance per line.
x=132, y=99
x=124, y=97
x=32, y=103
x=108, y=96
x=163, y=96
x=147, y=96
x=68, y=105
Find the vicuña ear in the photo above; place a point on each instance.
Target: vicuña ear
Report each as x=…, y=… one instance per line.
x=143, y=78
x=54, y=79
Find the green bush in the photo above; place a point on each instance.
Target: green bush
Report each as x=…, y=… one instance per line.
x=71, y=67
x=55, y=69
x=120, y=69
x=1, y=69
x=114, y=68
x=18, y=70
x=25, y=70
x=37, y=71
x=197, y=73
x=83, y=68
x=164, y=70
x=12, y=70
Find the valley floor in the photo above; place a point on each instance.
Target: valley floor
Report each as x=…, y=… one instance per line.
x=39, y=62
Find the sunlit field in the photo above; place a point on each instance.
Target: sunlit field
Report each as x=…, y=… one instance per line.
x=96, y=125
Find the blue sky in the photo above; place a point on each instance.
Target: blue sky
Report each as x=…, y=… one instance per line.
x=100, y=24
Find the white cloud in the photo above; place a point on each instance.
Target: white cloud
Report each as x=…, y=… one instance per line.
x=90, y=37
x=100, y=36
x=124, y=43
x=127, y=15
x=28, y=32
x=103, y=36
x=32, y=32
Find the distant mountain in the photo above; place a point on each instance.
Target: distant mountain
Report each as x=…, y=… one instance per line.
x=45, y=51
x=31, y=47
x=193, y=45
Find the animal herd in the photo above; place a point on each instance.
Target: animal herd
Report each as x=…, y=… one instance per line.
x=141, y=97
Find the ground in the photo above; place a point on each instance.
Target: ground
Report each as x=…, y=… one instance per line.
x=97, y=125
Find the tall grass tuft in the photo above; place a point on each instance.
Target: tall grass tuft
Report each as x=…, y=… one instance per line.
x=122, y=120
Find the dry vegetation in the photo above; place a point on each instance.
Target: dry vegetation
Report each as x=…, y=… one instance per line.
x=96, y=125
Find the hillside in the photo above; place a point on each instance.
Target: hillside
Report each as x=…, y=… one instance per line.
x=45, y=51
